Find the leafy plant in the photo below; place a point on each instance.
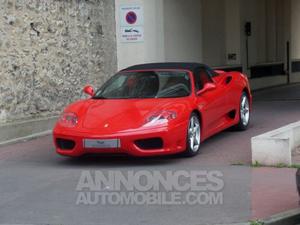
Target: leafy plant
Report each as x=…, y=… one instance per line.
x=281, y=165
x=256, y=222
x=237, y=164
x=256, y=164
x=295, y=166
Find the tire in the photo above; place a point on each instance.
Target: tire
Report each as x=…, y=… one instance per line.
x=244, y=113
x=193, y=140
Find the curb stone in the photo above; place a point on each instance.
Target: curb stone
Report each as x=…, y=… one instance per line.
x=24, y=139
x=291, y=217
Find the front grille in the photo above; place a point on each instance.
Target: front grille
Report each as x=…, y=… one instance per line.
x=65, y=144
x=149, y=144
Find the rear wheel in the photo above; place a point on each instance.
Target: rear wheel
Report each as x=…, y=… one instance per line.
x=193, y=136
x=244, y=113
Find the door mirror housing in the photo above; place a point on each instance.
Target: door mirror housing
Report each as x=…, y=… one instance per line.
x=207, y=87
x=89, y=90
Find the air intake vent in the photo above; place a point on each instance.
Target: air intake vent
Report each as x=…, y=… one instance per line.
x=149, y=144
x=65, y=144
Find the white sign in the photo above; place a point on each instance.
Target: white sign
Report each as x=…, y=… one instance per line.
x=131, y=22
x=132, y=15
x=132, y=34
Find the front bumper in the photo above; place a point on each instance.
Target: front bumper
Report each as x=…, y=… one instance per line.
x=174, y=141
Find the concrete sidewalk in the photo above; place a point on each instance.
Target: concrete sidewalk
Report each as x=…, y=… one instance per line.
x=273, y=191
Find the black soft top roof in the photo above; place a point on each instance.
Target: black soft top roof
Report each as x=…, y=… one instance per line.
x=170, y=65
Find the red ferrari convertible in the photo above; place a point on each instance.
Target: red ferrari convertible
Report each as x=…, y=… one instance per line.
x=155, y=109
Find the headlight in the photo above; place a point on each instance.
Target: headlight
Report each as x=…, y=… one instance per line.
x=160, y=117
x=68, y=119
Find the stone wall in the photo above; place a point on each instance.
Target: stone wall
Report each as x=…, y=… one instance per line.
x=49, y=49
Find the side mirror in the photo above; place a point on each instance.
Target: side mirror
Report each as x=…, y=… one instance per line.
x=207, y=87
x=89, y=90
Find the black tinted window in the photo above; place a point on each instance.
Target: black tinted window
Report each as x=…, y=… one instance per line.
x=148, y=84
x=201, y=77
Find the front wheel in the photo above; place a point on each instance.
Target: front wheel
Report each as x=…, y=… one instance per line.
x=193, y=136
x=244, y=113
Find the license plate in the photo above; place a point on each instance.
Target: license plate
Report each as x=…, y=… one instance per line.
x=108, y=143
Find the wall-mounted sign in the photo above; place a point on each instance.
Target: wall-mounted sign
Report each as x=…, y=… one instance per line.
x=232, y=56
x=132, y=23
x=131, y=17
x=132, y=34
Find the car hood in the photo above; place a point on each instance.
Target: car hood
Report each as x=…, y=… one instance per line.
x=111, y=116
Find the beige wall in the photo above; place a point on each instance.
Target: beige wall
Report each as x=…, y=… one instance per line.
x=295, y=36
x=295, y=22
x=208, y=30
x=183, y=30
x=270, y=30
x=221, y=32
x=254, y=12
x=172, y=33
x=152, y=48
x=233, y=30
x=214, y=50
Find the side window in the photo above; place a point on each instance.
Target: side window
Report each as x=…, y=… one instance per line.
x=202, y=77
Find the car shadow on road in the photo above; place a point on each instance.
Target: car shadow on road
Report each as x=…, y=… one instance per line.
x=117, y=161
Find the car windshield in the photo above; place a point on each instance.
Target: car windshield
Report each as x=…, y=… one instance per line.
x=146, y=84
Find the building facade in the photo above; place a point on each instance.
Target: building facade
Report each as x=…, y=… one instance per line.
x=50, y=49
x=258, y=37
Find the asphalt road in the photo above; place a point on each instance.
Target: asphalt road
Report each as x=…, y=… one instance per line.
x=39, y=187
